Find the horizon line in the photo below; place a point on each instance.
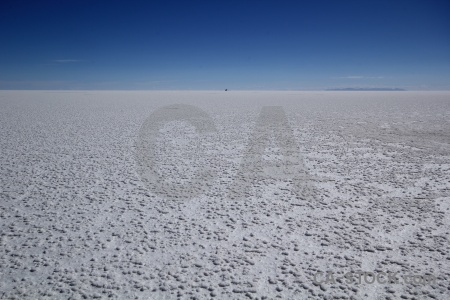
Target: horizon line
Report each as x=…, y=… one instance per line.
x=222, y=90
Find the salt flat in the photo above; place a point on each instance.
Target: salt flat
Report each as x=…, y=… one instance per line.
x=224, y=195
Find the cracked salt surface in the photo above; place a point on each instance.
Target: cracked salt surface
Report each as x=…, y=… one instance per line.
x=78, y=221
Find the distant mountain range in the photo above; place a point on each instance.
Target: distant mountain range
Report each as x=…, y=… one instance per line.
x=367, y=89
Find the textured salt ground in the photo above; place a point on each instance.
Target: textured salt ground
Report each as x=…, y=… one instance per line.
x=77, y=221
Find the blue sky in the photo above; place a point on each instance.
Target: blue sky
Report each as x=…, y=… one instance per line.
x=306, y=45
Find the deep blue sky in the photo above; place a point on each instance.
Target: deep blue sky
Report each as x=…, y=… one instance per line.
x=74, y=44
